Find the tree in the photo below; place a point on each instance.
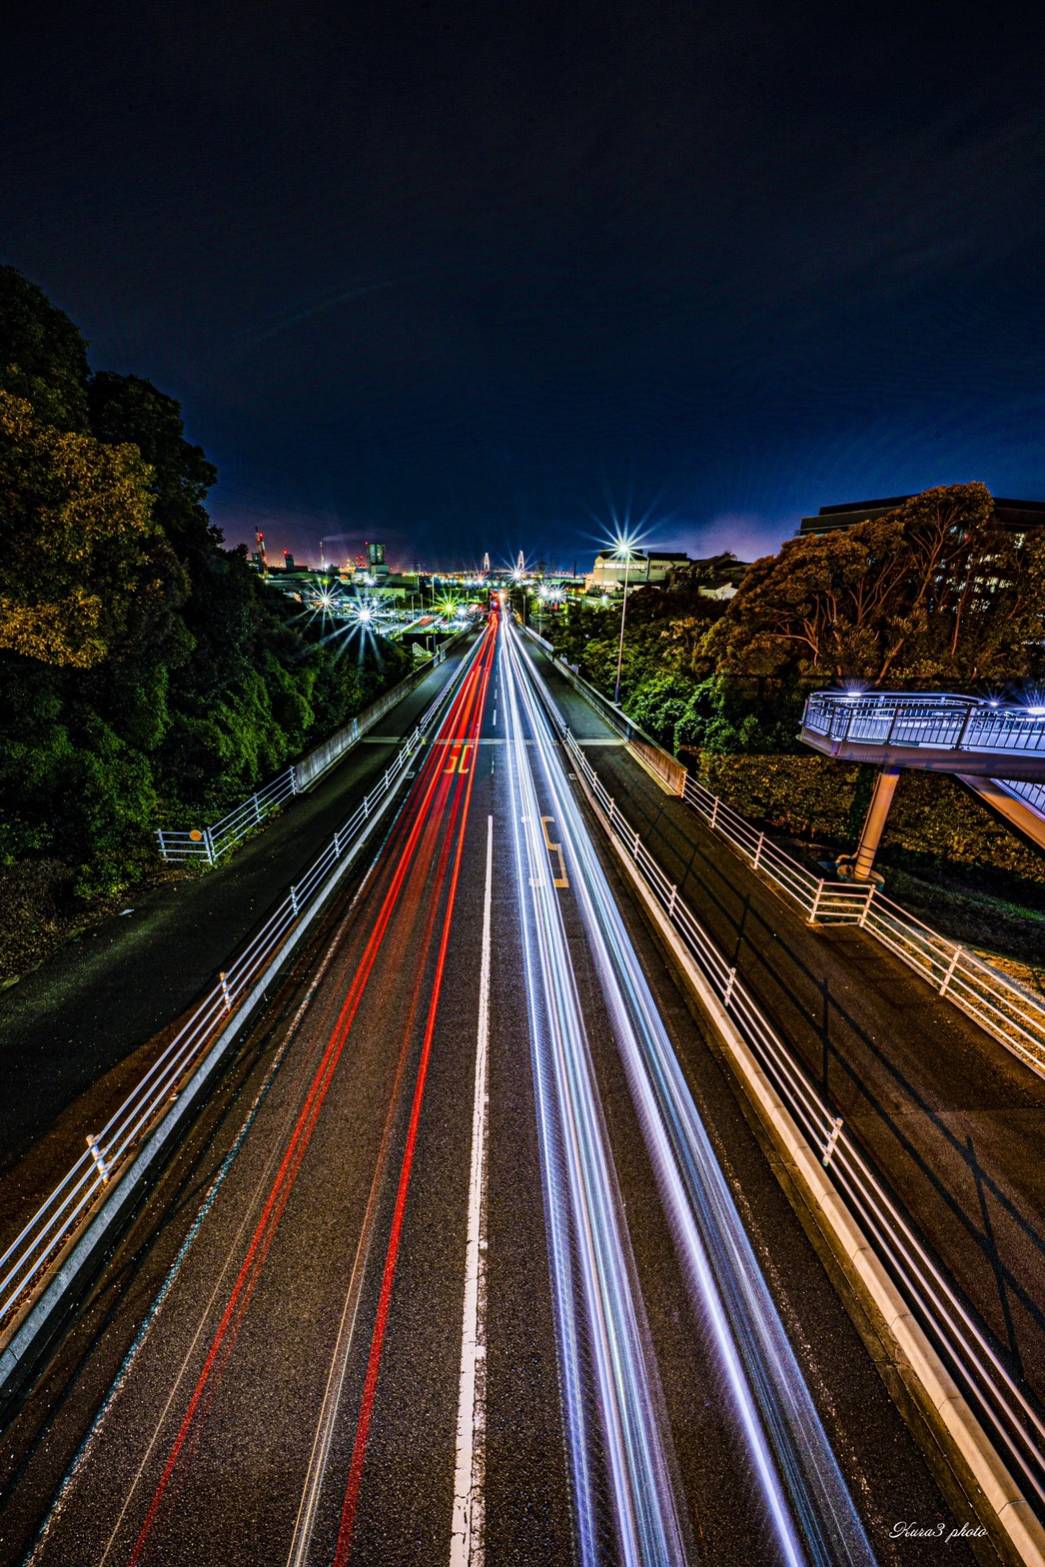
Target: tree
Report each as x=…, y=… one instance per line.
x=43, y=358
x=147, y=673
x=935, y=592
x=82, y=564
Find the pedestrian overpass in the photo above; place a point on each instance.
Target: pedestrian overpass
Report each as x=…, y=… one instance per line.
x=995, y=748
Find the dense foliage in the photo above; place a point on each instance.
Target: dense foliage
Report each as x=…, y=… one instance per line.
x=147, y=675
x=935, y=595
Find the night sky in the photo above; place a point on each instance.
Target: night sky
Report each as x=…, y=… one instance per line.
x=483, y=277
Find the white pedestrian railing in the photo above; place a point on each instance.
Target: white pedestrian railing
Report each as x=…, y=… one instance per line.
x=1006, y=1409
x=826, y=902
x=206, y=845
x=108, y=1153
x=1029, y=794
x=936, y=719
x=666, y=766
x=1000, y=1005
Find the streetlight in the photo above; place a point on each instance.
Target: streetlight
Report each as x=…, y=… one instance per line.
x=623, y=549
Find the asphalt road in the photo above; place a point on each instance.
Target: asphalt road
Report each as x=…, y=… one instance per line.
x=268, y=1368
x=949, y=1116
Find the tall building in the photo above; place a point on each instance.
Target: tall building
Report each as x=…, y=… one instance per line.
x=376, y=560
x=644, y=566
x=1016, y=516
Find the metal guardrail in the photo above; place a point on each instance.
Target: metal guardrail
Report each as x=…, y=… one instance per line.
x=107, y=1155
x=935, y=719
x=826, y=902
x=998, y=1004
x=1029, y=794
x=1008, y=1413
x=663, y=764
x=207, y=844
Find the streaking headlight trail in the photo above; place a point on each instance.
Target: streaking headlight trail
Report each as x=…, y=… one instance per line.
x=800, y=1486
x=592, y=1273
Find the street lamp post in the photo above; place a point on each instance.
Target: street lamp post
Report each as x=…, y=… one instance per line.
x=624, y=552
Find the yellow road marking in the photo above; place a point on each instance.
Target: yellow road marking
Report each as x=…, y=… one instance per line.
x=562, y=880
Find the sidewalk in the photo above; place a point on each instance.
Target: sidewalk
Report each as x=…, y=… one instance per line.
x=103, y=995
x=946, y=1113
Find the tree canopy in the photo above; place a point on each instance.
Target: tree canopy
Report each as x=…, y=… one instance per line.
x=147, y=674
x=937, y=592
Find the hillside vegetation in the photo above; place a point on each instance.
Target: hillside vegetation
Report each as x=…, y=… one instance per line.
x=147, y=676
x=934, y=596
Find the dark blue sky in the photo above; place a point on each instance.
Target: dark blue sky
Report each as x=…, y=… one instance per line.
x=474, y=277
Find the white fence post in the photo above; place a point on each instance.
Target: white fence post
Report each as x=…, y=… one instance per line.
x=758, y=850
x=294, y=900
x=257, y=811
x=99, y=1162
x=816, y=900
x=672, y=901
x=226, y=994
x=832, y=1139
x=714, y=812
x=208, y=844
x=950, y=970
x=293, y=779
x=865, y=911
x=727, y=994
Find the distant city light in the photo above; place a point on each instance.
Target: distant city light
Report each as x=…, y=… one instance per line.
x=625, y=546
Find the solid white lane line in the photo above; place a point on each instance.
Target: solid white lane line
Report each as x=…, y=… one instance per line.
x=466, y=1540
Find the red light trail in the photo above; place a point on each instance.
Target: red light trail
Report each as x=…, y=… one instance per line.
x=424, y=810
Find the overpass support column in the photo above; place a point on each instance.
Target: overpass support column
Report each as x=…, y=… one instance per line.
x=874, y=822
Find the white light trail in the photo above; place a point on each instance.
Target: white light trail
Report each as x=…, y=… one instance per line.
x=591, y=1268
x=801, y=1486
x=467, y=1546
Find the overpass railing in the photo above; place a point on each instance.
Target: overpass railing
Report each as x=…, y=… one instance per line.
x=1029, y=794
x=938, y=719
x=206, y=845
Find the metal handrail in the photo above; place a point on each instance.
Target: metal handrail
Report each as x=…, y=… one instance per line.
x=942, y=720
x=1011, y=1416
x=1000, y=1005
x=64, y=1211
x=208, y=844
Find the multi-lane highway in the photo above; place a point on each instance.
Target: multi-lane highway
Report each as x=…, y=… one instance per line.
x=458, y=1264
